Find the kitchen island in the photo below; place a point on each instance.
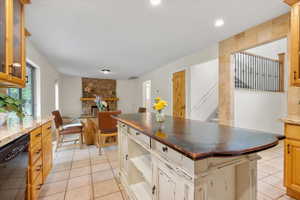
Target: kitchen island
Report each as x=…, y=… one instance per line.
x=188, y=160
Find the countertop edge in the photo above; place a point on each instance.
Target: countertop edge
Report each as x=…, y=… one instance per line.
x=23, y=131
x=199, y=156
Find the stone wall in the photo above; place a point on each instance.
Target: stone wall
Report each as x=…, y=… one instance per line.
x=105, y=88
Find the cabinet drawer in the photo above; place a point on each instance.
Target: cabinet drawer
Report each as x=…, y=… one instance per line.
x=167, y=152
x=47, y=129
x=35, y=188
x=35, y=154
x=35, y=170
x=292, y=131
x=36, y=138
x=140, y=137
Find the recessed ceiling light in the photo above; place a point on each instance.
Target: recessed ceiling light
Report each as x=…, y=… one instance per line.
x=155, y=2
x=105, y=71
x=219, y=23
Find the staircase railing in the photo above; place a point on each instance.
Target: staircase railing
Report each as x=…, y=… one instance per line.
x=204, y=100
x=257, y=72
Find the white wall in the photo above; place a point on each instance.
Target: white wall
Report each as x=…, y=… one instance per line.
x=161, y=78
x=46, y=77
x=71, y=92
x=204, y=89
x=261, y=110
x=127, y=93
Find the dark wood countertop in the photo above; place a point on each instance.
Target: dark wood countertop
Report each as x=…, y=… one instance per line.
x=199, y=140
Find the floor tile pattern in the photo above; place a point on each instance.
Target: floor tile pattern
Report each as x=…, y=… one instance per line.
x=82, y=174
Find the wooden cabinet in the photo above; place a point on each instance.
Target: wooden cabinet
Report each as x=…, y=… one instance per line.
x=295, y=43
x=12, y=41
x=40, y=158
x=292, y=160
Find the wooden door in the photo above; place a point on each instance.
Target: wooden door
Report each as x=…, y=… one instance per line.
x=179, y=94
x=166, y=186
x=292, y=164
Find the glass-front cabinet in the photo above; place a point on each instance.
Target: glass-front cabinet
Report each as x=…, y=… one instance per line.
x=295, y=44
x=12, y=40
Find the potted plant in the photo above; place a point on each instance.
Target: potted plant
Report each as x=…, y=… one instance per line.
x=7, y=105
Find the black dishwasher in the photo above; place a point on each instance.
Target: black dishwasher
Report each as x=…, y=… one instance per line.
x=13, y=169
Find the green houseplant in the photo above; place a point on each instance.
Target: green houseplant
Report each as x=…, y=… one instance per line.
x=9, y=104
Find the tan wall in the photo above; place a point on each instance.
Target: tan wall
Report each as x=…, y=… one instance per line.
x=269, y=31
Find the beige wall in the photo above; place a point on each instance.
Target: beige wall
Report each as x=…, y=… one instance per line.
x=269, y=31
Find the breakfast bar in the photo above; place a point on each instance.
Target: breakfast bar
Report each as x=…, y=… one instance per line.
x=182, y=159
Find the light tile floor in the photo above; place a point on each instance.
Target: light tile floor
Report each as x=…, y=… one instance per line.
x=81, y=174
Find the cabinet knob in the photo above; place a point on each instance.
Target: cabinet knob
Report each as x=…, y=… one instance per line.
x=165, y=149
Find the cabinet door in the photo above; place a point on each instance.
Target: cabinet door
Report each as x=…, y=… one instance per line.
x=165, y=186
x=292, y=164
x=17, y=67
x=4, y=7
x=124, y=152
x=295, y=44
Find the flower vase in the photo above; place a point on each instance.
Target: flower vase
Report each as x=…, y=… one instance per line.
x=160, y=116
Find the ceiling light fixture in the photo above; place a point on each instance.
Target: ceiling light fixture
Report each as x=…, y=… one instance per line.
x=105, y=71
x=155, y=2
x=219, y=23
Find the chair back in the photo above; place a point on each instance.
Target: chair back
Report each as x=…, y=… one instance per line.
x=106, y=123
x=57, y=119
x=142, y=110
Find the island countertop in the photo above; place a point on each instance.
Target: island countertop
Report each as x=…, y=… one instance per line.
x=199, y=140
x=14, y=128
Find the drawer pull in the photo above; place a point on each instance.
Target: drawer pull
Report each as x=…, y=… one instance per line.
x=39, y=135
x=165, y=149
x=39, y=168
x=39, y=187
x=39, y=151
x=137, y=133
x=49, y=128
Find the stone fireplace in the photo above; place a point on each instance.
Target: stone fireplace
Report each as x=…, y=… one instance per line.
x=92, y=87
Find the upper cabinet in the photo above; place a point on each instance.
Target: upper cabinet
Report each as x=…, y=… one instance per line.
x=12, y=41
x=295, y=41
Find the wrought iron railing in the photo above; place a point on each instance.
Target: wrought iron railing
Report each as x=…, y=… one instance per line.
x=257, y=72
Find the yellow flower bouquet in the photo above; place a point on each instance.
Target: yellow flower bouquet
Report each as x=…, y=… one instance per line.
x=159, y=106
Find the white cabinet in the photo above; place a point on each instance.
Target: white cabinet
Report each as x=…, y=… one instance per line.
x=166, y=187
x=150, y=170
x=123, y=149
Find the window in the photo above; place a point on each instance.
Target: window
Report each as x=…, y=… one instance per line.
x=147, y=95
x=56, y=90
x=26, y=94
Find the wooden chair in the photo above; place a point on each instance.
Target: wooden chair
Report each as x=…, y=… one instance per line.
x=142, y=110
x=62, y=129
x=108, y=131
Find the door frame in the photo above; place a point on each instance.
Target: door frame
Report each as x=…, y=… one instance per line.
x=187, y=89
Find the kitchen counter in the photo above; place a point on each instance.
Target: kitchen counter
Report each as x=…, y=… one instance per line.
x=15, y=128
x=198, y=140
x=188, y=159
x=291, y=119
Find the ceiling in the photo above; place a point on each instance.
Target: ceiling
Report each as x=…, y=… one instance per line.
x=131, y=36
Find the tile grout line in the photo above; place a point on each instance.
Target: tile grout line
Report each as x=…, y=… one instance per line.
x=92, y=179
x=65, y=195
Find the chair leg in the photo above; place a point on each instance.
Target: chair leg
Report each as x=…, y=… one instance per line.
x=58, y=141
x=100, y=144
x=81, y=140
